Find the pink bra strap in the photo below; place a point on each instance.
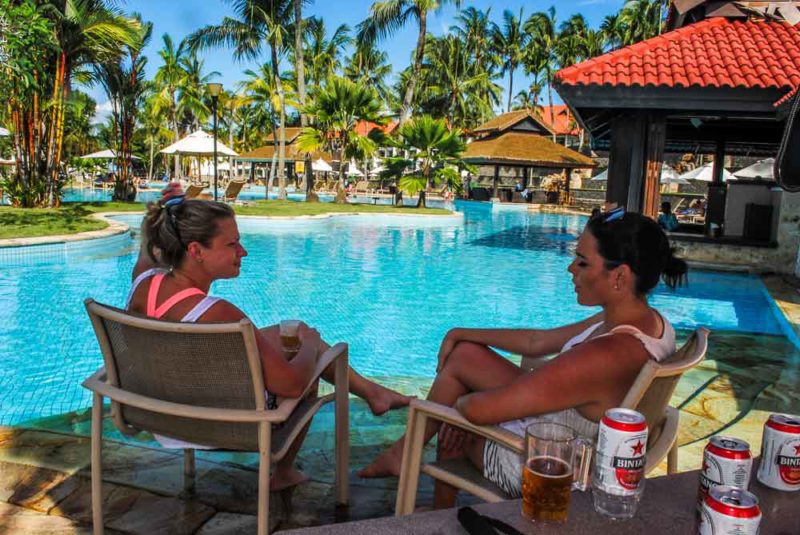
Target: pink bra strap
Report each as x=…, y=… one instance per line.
x=152, y=295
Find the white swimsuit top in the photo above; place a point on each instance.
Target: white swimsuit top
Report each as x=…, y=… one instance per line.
x=658, y=348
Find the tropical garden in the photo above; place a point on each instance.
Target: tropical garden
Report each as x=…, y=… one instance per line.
x=324, y=80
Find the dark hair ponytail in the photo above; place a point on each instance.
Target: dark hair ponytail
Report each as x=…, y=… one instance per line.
x=638, y=241
x=675, y=272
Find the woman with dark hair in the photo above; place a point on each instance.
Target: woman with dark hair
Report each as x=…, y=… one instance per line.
x=619, y=258
x=188, y=244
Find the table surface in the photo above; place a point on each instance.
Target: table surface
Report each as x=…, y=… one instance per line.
x=668, y=506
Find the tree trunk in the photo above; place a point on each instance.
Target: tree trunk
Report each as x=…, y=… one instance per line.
x=282, y=112
x=152, y=159
x=550, y=101
x=421, y=200
x=408, y=99
x=510, y=86
x=176, y=173
x=341, y=194
x=273, y=167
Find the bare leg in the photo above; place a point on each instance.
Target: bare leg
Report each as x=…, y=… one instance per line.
x=470, y=368
x=444, y=495
x=285, y=474
x=379, y=398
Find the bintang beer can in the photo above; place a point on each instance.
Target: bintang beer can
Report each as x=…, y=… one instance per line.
x=780, y=453
x=729, y=510
x=726, y=461
x=621, y=448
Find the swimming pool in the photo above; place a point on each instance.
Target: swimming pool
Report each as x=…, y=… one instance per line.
x=388, y=285
x=104, y=195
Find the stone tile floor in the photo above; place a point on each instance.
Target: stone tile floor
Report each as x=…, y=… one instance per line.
x=44, y=466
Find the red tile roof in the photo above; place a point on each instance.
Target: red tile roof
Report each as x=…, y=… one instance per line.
x=565, y=124
x=715, y=52
x=363, y=128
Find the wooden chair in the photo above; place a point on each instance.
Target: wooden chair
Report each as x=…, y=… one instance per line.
x=650, y=395
x=232, y=190
x=193, y=191
x=362, y=186
x=203, y=383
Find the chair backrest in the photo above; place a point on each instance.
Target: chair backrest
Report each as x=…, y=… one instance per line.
x=233, y=189
x=653, y=388
x=200, y=364
x=193, y=191
x=362, y=185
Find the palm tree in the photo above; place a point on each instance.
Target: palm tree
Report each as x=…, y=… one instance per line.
x=124, y=83
x=370, y=66
x=194, y=101
x=324, y=54
x=525, y=100
x=87, y=32
x=509, y=43
x=299, y=69
x=453, y=84
x=259, y=89
x=434, y=146
x=388, y=16
x=475, y=29
x=642, y=19
x=169, y=78
x=257, y=22
x=335, y=110
x=152, y=119
x=541, y=27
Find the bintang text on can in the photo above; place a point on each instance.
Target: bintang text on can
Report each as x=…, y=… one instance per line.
x=780, y=453
x=729, y=510
x=726, y=461
x=621, y=448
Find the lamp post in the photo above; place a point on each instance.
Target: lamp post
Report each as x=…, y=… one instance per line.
x=214, y=90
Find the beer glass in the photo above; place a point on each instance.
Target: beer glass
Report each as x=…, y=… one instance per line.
x=290, y=339
x=548, y=471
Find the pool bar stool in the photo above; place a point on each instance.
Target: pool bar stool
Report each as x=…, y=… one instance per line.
x=167, y=377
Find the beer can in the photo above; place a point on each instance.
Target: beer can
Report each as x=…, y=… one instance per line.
x=780, y=453
x=726, y=461
x=729, y=511
x=621, y=448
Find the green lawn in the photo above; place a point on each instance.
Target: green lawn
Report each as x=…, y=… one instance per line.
x=72, y=218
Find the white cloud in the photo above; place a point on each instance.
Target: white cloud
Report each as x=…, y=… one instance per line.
x=102, y=111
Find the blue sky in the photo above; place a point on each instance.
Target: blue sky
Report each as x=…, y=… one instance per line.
x=181, y=17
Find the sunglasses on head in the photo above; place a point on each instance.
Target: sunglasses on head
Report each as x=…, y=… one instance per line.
x=613, y=215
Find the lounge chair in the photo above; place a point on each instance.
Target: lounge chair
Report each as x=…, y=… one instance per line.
x=193, y=191
x=202, y=383
x=650, y=394
x=362, y=186
x=232, y=190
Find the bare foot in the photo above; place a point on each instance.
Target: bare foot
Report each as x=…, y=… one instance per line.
x=283, y=478
x=382, y=399
x=387, y=464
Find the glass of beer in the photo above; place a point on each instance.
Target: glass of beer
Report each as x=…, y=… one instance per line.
x=290, y=339
x=548, y=470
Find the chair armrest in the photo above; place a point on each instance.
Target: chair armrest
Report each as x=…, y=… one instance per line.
x=669, y=434
x=332, y=354
x=452, y=417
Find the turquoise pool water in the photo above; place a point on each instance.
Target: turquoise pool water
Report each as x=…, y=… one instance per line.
x=391, y=286
x=101, y=195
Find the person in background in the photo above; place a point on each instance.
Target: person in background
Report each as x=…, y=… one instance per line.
x=666, y=219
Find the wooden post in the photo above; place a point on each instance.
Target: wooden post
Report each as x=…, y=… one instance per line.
x=715, y=207
x=654, y=160
x=625, y=160
x=496, y=180
x=525, y=177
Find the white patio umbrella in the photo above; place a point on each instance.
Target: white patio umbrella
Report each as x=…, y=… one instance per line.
x=198, y=144
x=352, y=170
x=207, y=167
x=705, y=173
x=4, y=132
x=107, y=154
x=321, y=166
x=668, y=176
x=8, y=162
x=761, y=169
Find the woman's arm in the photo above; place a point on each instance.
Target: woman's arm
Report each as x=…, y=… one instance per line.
x=595, y=375
x=527, y=342
x=281, y=377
